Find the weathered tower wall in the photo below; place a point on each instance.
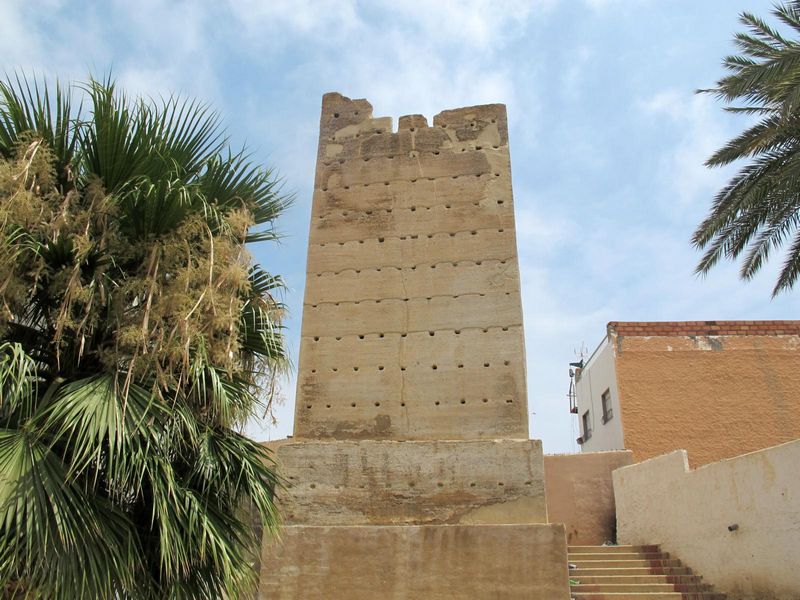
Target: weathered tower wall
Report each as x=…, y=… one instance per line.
x=412, y=320
x=411, y=474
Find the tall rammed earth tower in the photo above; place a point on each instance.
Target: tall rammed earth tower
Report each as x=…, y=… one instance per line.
x=410, y=474
x=412, y=320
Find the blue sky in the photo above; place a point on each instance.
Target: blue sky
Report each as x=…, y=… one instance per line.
x=607, y=137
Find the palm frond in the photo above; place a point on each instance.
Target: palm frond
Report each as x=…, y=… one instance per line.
x=19, y=383
x=189, y=134
x=62, y=542
x=770, y=238
x=234, y=181
x=27, y=108
x=791, y=268
x=789, y=14
x=765, y=135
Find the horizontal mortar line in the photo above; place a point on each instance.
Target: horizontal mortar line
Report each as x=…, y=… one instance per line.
x=461, y=400
x=413, y=236
x=403, y=334
x=455, y=263
x=447, y=206
x=407, y=180
x=435, y=366
x=449, y=152
x=408, y=299
x=380, y=300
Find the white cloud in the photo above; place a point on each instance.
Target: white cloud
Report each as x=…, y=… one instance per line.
x=413, y=57
x=575, y=74
x=17, y=46
x=700, y=120
x=485, y=24
x=327, y=21
x=395, y=82
x=601, y=5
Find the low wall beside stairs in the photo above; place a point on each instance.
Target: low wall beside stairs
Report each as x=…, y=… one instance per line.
x=737, y=521
x=580, y=493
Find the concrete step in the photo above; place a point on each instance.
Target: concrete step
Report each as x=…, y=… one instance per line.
x=638, y=588
x=669, y=571
x=672, y=579
x=629, y=589
x=611, y=549
x=624, y=596
x=587, y=564
x=647, y=596
x=618, y=556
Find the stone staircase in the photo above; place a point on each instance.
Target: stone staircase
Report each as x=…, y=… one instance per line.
x=633, y=573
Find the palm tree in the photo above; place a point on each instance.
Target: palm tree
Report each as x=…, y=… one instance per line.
x=136, y=335
x=758, y=211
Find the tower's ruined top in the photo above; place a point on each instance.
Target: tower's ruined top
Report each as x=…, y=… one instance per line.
x=412, y=321
x=345, y=119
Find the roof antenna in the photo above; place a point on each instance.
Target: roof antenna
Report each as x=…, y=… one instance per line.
x=581, y=354
x=572, y=394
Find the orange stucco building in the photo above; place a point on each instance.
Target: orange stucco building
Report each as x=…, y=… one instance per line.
x=717, y=389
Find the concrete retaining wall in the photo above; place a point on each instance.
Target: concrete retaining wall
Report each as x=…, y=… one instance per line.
x=580, y=493
x=662, y=501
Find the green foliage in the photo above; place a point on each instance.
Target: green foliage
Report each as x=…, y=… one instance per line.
x=758, y=211
x=136, y=335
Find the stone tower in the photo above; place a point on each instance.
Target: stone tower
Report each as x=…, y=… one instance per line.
x=412, y=321
x=410, y=473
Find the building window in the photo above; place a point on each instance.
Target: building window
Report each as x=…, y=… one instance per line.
x=605, y=400
x=587, y=427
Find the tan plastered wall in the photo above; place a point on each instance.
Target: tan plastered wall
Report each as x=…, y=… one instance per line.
x=580, y=494
x=661, y=501
x=412, y=482
x=714, y=396
x=431, y=562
